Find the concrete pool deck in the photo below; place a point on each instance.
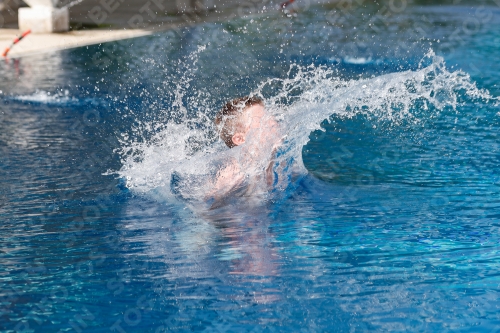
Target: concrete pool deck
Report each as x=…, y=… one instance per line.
x=41, y=43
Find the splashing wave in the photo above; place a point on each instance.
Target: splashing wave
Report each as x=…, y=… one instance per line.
x=184, y=159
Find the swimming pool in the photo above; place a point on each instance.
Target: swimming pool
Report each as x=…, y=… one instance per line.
x=393, y=227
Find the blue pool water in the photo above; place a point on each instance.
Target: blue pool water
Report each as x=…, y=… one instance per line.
x=392, y=224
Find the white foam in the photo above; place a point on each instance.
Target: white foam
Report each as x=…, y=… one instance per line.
x=46, y=97
x=51, y=98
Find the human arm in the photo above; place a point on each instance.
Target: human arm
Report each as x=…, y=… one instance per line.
x=227, y=178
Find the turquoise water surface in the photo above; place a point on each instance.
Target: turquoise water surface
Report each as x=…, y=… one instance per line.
x=391, y=224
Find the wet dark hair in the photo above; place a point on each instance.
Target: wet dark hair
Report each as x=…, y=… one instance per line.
x=227, y=118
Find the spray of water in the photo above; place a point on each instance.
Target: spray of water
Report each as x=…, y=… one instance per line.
x=183, y=158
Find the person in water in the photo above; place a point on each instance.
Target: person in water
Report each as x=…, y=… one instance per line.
x=245, y=123
x=240, y=117
x=253, y=135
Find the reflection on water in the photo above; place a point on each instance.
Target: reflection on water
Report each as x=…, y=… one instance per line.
x=247, y=244
x=234, y=245
x=26, y=75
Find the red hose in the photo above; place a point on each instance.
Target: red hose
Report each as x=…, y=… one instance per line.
x=16, y=40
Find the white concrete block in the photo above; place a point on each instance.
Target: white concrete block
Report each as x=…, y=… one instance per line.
x=43, y=19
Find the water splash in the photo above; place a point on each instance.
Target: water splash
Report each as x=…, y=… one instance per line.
x=183, y=157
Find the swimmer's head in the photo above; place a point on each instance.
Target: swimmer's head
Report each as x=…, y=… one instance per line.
x=237, y=117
